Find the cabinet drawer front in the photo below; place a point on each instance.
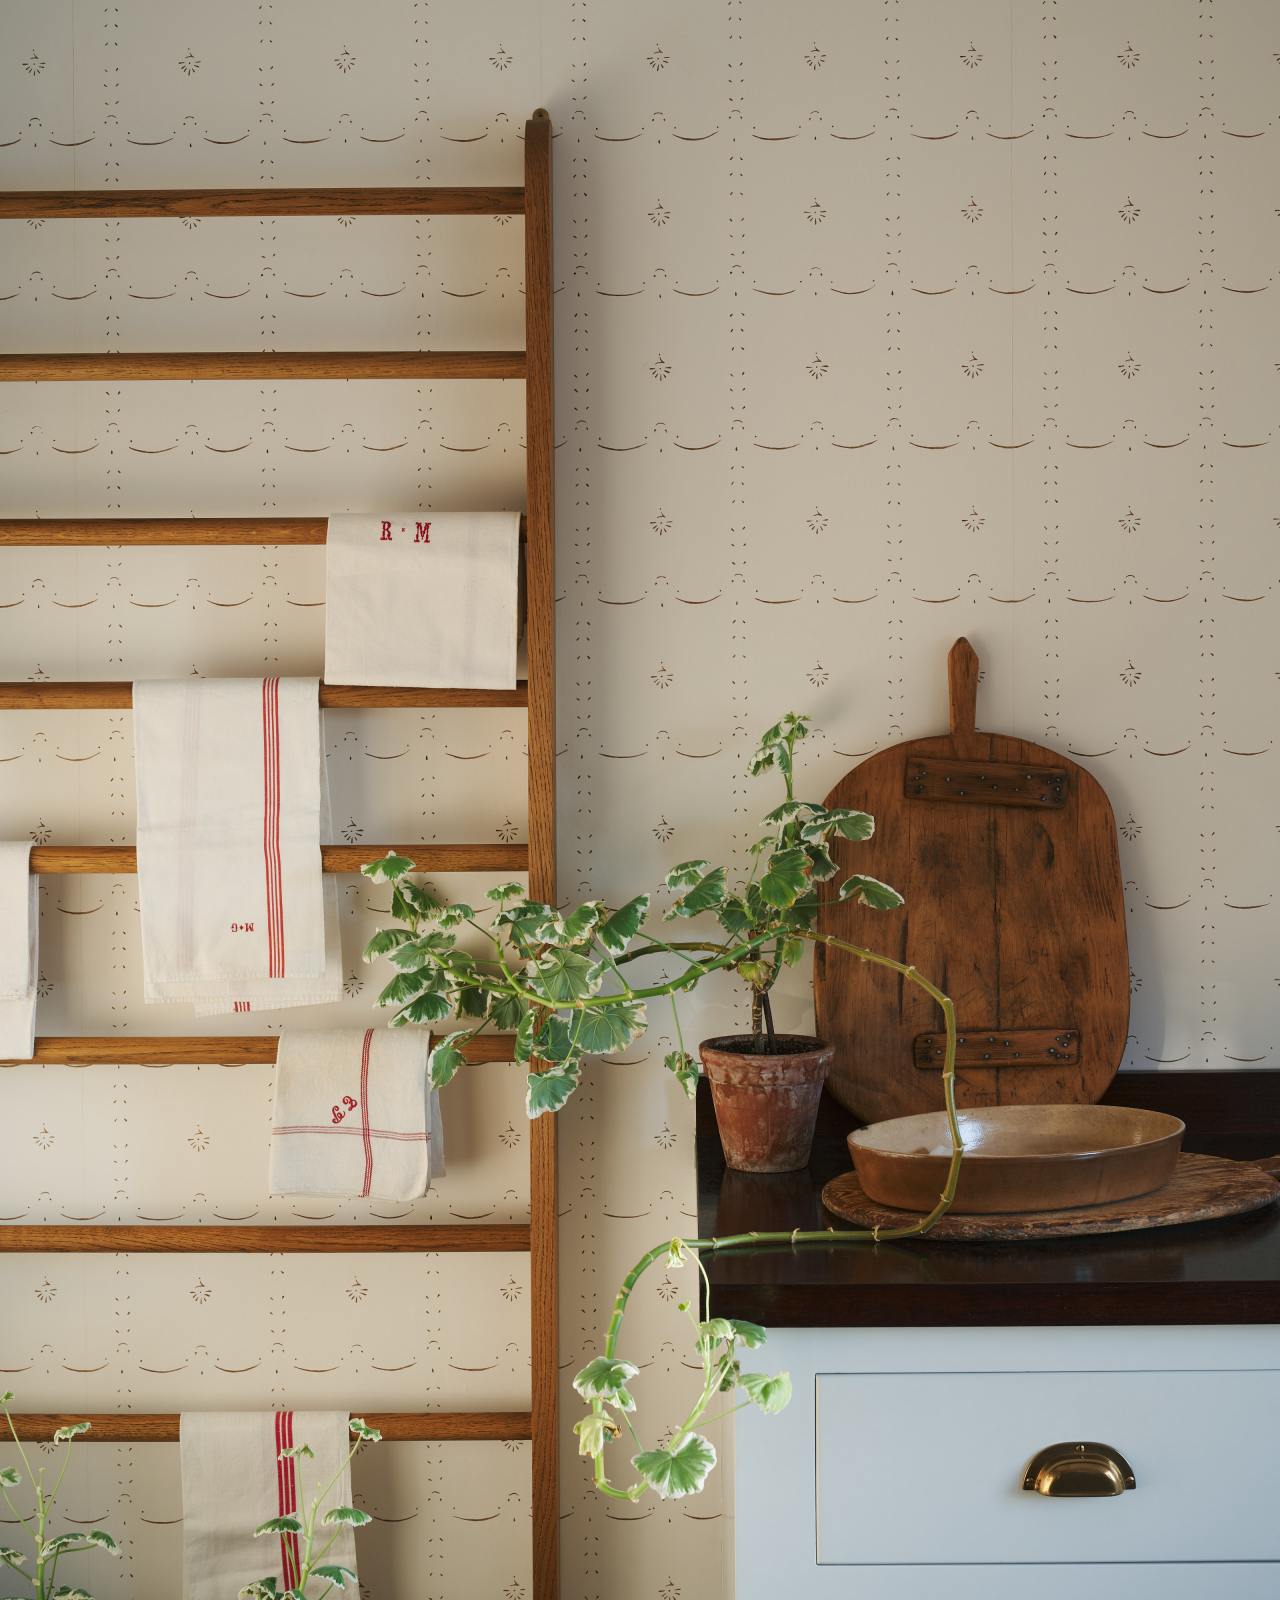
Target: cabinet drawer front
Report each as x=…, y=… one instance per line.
x=917, y=1468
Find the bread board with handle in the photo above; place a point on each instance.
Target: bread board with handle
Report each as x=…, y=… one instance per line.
x=1007, y=856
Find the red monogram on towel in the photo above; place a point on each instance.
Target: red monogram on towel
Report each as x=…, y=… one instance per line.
x=421, y=533
x=348, y=1104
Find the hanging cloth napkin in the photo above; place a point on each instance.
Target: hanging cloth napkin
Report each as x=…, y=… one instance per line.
x=19, y=946
x=429, y=602
x=355, y=1115
x=236, y=914
x=233, y=1481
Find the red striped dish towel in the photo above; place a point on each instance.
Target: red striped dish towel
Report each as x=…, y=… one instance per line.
x=456, y=574
x=232, y=800
x=234, y=1480
x=355, y=1115
x=19, y=951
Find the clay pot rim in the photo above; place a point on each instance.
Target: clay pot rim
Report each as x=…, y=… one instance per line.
x=739, y=1044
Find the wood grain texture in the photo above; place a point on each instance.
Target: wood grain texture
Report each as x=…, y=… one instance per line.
x=208, y=1050
x=438, y=202
x=1202, y=1188
x=269, y=1239
x=541, y=626
x=112, y=531
x=260, y=366
x=161, y=1427
x=333, y=696
x=60, y=859
x=1017, y=914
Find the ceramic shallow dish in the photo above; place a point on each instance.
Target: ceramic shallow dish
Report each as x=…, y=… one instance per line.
x=1019, y=1158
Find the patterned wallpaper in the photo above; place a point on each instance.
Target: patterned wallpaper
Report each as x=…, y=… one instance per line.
x=879, y=321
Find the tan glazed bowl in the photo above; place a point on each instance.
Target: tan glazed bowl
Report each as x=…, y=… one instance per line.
x=1019, y=1158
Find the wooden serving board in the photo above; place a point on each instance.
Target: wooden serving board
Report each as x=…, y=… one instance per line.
x=1007, y=855
x=1202, y=1187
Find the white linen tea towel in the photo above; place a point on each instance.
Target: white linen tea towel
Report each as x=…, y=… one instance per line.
x=234, y=1480
x=429, y=602
x=232, y=800
x=19, y=951
x=355, y=1115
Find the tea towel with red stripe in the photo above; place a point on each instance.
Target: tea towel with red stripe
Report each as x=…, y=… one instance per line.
x=355, y=1115
x=235, y=1478
x=423, y=599
x=19, y=951
x=232, y=805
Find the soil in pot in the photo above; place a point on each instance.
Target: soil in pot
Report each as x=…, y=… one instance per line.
x=766, y=1102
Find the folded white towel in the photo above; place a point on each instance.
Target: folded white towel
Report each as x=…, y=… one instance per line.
x=233, y=1481
x=236, y=914
x=355, y=1115
x=19, y=949
x=421, y=600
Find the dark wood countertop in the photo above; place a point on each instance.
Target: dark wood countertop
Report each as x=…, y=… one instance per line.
x=1211, y=1272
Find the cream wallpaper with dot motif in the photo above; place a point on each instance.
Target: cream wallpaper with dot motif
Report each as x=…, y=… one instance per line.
x=878, y=321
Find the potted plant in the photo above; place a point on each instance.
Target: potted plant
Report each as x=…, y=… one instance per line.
x=560, y=982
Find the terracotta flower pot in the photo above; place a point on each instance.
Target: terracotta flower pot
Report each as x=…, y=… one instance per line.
x=766, y=1105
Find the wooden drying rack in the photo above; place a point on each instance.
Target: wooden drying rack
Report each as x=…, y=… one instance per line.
x=533, y=364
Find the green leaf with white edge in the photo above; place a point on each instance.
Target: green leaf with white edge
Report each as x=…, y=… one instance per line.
x=473, y=1000
x=65, y=1542
x=66, y=1591
x=714, y=1331
x=612, y=1028
x=749, y=1334
x=444, y=1061
x=454, y=915
x=411, y=954
x=732, y=916
x=100, y=1538
x=419, y=898
x=506, y=1011
x=618, y=929
x=792, y=952
x=278, y=1525
x=11, y=1557
x=73, y=1430
x=6, y=1398
x=786, y=877
x=387, y=940
x=10, y=1477
x=292, y=1450
x=856, y=825
x=548, y=1091
x=754, y=972
x=606, y=1378
x=706, y=893
x=686, y=874
x=870, y=892
x=594, y=1432
x=503, y=892
x=346, y=1517
x=677, y=1473
x=386, y=869
x=339, y=1577
x=684, y=1069
x=263, y=1589
x=677, y=1255
x=564, y=975
x=404, y=986
x=554, y=1040
x=789, y=809
x=360, y=1429
x=822, y=864
x=771, y=1394
x=428, y=1007
x=582, y=923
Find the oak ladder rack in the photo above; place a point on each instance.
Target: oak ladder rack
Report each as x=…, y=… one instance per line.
x=533, y=364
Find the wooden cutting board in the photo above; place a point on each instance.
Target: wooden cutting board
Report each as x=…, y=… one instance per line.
x=1006, y=853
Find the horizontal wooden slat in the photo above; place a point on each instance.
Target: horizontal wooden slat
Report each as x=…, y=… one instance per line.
x=258, y=365
x=57, y=859
x=48, y=531
x=334, y=696
x=200, y=1049
x=161, y=1427
x=21, y=204
x=245, y=1239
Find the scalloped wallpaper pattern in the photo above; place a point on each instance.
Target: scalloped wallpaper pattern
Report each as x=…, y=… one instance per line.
x=878, y=321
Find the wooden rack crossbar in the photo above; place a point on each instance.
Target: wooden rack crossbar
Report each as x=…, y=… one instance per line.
x=333, y=696
x=57, y=860
x=24, y=204
x=534, y=364
x=167, y=530
x=230, y=1238
x=161, y=1427
x=224, y=1050
x=171, y=366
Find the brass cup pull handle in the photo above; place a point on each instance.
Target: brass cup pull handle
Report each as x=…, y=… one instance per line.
x=1079, y=1470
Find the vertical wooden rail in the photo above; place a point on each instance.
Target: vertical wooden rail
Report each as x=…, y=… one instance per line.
x=540, y=582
